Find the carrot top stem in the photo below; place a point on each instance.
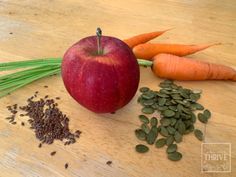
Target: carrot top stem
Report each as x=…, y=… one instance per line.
x=146, y=63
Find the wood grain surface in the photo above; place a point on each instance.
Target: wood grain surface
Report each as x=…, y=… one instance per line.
x=36, y=29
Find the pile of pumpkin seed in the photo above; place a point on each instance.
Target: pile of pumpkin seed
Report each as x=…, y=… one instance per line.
x=176, y=106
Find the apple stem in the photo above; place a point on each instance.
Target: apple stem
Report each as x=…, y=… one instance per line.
x=99, y=35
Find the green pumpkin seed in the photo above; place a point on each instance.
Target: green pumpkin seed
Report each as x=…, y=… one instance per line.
x=167, y=81
x=202, y=118
x=168, y=113
x=162, y=108
x=180, y=102
x=162, y=95
x=193, y=118
x=169, y=140
x=141, y=148
x=143, y=119
x=148, y=110
x=198, y=134
x=207, y=113
x=173, y=121
x=181, y=127
x=168, y=103
x=177, y=115
x=164, y=91
x=165, y=122
x=153, y=121
x=173, y=102
x=148, y=102
x=160, y=142
x=164, y=131
x=184, y=94
x=194, y=97
x=175, y=156
x=151, y=137
x=178, y=137
x=155, y=129
x=197, y=91
x=155, y=106
x=197, y=106
x=161, y=101
x=164, y=85
x=186, y=110
x=187, y=123
x=140, y=134
x=148, y=95
x=145, y=128
x=171, y=130
x=159, y=129
x=189, y=129
x=174, y=86
x=171, y=148
x=173, y=108
x=144, y=89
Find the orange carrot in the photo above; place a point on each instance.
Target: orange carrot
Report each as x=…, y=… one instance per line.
x=143, y=38
x=180, y=68
x=149, y=50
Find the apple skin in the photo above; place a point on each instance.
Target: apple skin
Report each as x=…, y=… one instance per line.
x=101, y=83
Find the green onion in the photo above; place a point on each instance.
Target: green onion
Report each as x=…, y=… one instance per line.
x=37, y=69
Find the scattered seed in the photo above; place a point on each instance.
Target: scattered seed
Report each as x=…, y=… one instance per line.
x=109, y=162
x=177, y=137
x=207, y=113
x=202, y=118
x=169, y=140
x=165, y=122
x=164, y=131
x=45, y=86
x=140, y=134
x=198, y=134
x=141, y=148
x=151, y=137
x=143, y=119
x=168, y=113
x=175, y=156
x=153, y=121
x=171, y=148
x=40, y=145
x=22, y=123
x=144, y=89
x=160, y=142
x=145, y=128
x=53, y=153
x=148, y=110
x=66, y=165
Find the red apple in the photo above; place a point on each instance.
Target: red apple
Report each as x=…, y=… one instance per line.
x=101, y=82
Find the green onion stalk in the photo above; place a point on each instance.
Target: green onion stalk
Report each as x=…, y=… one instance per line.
x=32, y=70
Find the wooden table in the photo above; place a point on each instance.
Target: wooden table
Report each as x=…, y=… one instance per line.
x=36, y=29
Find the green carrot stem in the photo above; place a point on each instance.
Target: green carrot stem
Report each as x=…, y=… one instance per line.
x=146, y=63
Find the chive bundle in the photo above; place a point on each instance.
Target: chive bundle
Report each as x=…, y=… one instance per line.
x=32, y=70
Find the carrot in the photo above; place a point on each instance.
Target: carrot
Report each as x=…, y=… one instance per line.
x=180, y=68
x=143, y=38
x=149, y=50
